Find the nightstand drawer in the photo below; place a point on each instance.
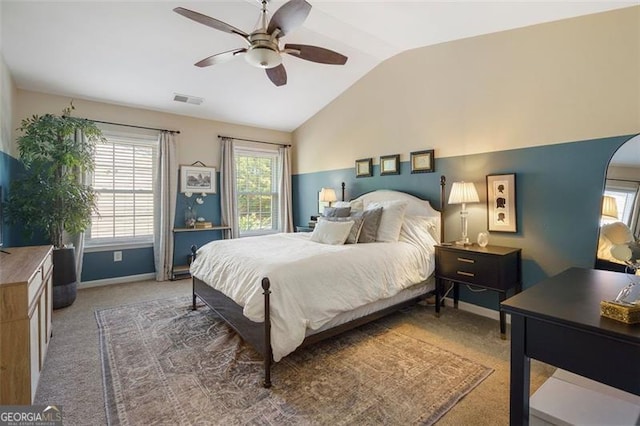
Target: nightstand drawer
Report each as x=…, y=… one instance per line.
x=488, y=270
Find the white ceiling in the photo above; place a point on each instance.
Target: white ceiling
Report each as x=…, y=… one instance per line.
x=139, y=53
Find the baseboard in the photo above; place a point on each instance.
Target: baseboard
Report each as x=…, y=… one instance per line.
x=478, y=310
x=117, y=280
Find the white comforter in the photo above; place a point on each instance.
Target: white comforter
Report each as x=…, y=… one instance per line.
x=310, y=282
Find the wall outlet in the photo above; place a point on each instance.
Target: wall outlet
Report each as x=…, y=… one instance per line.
x=117, y=256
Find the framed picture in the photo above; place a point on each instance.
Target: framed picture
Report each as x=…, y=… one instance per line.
x=422, y=161
x=198, y=179
x=364, y=167
x=390, y=165
x=501, y=203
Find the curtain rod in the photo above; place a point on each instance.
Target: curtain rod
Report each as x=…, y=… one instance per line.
x=252, y=140
x=137, y=127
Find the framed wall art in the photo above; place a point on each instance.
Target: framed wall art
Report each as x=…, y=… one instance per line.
x=364, y=167
x=422, y=161
x=198, y=179
x=501, y=203
x=390, y=165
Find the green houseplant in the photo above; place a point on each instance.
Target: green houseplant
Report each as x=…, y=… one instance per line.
x=51, y=197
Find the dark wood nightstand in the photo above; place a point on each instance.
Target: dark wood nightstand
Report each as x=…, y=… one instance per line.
x=492, y=267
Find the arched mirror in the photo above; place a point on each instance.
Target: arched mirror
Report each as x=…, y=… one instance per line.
x=619, y=221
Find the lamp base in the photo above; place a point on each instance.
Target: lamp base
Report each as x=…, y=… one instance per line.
x=464, y=243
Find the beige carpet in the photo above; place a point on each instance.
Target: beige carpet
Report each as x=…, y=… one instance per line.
x=72, y=375
x=165, y=364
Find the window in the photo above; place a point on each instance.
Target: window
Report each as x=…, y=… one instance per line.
x=257, y=189
x=123, y=178
x=625, y=194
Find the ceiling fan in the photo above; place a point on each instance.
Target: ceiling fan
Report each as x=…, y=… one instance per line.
x=263, y=44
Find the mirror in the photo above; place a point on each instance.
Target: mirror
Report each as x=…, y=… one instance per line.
x=619, y=221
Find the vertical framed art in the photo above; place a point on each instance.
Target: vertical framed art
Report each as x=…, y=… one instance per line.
x=501, y=203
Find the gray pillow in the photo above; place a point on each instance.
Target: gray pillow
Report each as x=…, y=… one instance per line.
x=337, y=211
x=370, y=224
x=358, y=221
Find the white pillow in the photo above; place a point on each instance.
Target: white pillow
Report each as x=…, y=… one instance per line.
x=356, y=206
x=391, y=220
x=341, y=204
x=334, y=233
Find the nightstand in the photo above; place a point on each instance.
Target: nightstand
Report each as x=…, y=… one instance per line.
x=492, y=267
x=304, y=229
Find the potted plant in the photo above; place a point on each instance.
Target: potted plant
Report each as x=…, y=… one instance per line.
x=51, y=197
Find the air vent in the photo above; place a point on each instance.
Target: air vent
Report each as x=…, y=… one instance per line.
x=194, y=100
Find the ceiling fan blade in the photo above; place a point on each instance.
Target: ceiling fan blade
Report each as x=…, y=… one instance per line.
x=315, y=54
x=210, y=22
x=220, y=57
x=289, y=17
x=277, y=75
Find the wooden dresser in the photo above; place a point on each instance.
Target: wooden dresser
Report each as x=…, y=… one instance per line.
x=25, y=320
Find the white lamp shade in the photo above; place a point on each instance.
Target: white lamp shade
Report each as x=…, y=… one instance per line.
x=609, y=207
x=463, y=192
x=328, y=195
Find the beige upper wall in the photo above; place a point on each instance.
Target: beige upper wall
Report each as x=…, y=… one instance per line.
x=198, y=139
x=7, y=105
x=565, y=81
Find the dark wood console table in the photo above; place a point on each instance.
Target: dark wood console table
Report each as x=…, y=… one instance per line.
x=558, y=322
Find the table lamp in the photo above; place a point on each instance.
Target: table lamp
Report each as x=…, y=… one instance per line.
x=328, y=195
x=463, y=193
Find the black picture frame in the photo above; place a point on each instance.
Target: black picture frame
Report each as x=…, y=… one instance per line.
x=390, y=164
x=501, y=203
x=422, y=161
x=364, y=167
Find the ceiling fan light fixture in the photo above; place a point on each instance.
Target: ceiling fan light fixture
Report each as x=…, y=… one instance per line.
x=263, y=57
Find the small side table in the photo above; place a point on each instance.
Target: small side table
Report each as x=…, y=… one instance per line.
x=492, y=267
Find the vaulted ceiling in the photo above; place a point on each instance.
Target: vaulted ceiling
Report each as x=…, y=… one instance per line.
x=141, y=54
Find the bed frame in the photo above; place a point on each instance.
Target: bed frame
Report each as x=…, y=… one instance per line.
x=258, y=334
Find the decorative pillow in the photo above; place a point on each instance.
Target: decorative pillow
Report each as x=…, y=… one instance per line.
x=341, y=204
x=369, y=225
x=356, y=206
x=391, y=220
x=334, y=233
x=358, y=220
x=336, y=211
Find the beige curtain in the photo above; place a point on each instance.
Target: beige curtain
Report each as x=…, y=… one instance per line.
x=228, y=199
x=165, y=205
x=286, y=216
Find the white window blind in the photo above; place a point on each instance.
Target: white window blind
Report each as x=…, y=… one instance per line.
x=257, y=189
x=123, y=178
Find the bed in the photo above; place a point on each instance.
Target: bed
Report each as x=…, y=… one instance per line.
x=285, y=291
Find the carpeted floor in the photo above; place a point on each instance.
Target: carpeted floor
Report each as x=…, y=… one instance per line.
x=194, y=369
x=72, y=376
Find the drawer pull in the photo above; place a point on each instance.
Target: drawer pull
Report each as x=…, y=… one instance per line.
x=465, y=260
x=466, y=274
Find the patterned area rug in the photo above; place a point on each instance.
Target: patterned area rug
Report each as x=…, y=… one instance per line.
x=165, y=364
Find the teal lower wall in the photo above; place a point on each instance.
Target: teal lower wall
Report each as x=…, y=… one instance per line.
x=100, y=265
x=558, y=192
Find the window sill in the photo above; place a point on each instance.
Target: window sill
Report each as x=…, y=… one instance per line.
x=94, y=248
